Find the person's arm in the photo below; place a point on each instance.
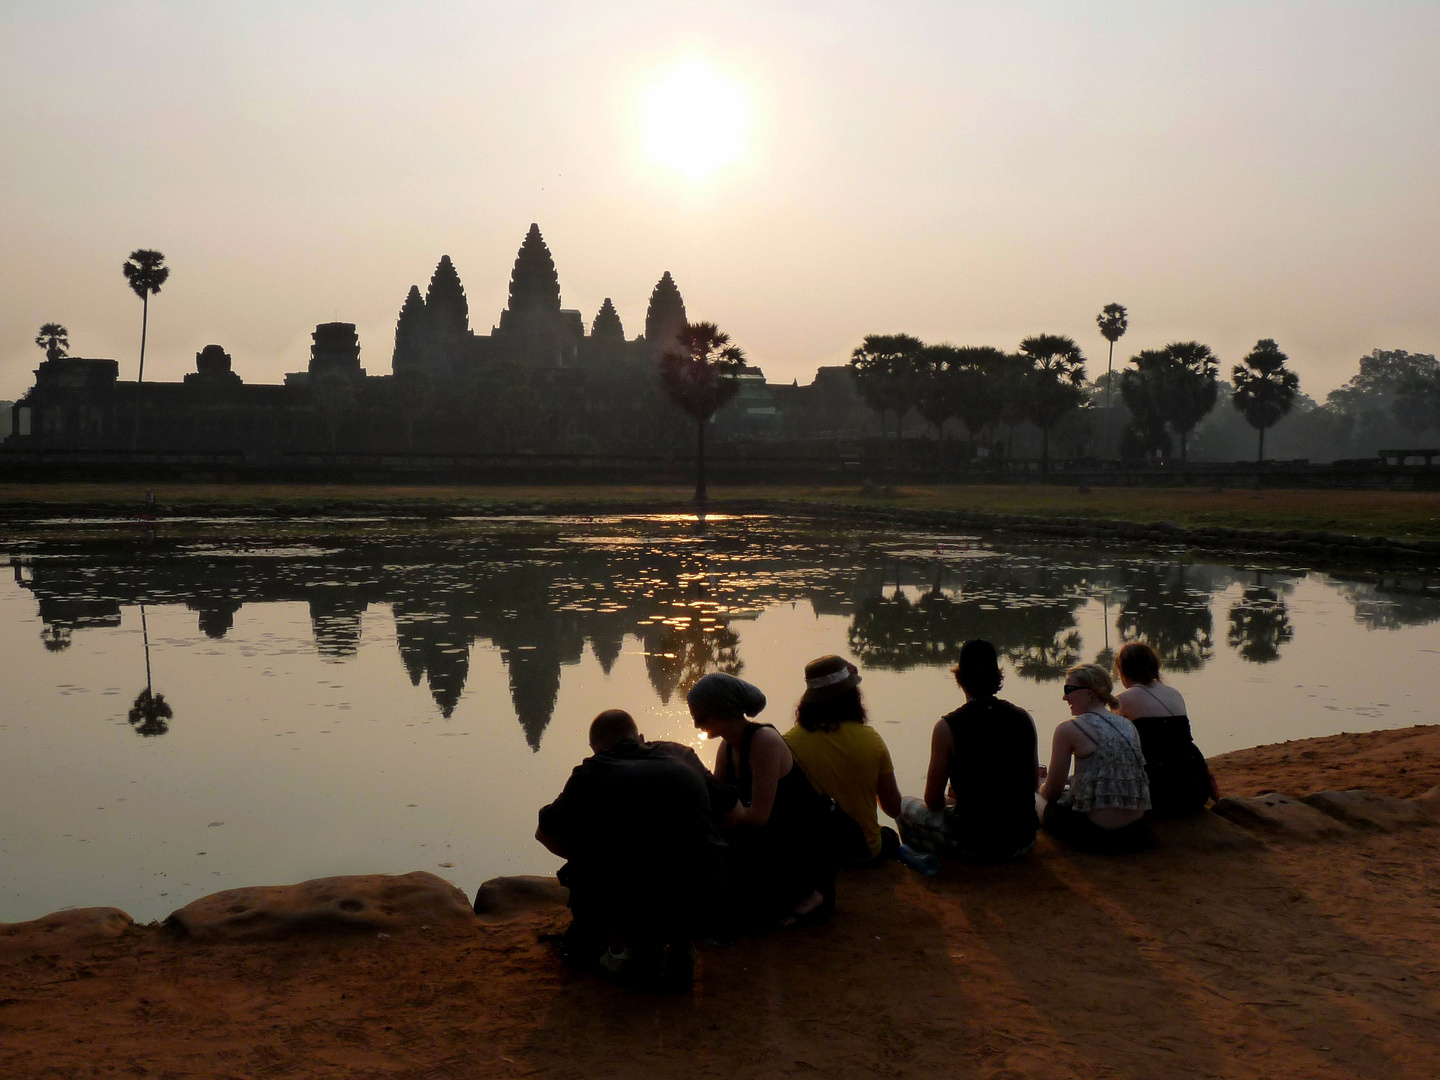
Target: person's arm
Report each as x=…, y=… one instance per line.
x=887, y=792
x=768, y=757
x=551, y=844
x=942, y=746
x=1060, y=751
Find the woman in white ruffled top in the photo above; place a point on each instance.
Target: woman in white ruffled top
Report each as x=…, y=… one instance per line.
x=1100, y=807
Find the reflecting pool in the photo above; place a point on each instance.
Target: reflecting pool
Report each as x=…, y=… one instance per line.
x=223, y=703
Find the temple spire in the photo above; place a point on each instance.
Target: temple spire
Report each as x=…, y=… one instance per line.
x=607, y=325
x=665, y=317
x=447, y=311
x=534, y=285
x=408, y=330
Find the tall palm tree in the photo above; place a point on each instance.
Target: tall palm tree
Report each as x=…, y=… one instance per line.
x=1190, y=389
x=699, y=376
x=54, y=339
x=1265, y=389
x=1113, y=321
x=1056, y=371
x=146, y=271
x=150, y=714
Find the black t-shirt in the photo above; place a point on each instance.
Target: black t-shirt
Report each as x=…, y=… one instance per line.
x=637, y=823
x=992, y=771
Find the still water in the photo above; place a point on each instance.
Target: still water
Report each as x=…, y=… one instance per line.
x=227, y=703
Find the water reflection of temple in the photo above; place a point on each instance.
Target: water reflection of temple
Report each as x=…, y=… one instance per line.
x=539, y=598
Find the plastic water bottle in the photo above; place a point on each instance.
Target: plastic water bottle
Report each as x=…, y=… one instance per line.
x=922, y=862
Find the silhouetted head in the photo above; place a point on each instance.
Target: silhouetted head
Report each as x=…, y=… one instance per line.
x=610, y=728
x=722, y=699
x=1137, y=662
x=978, y=671
x=832, y=695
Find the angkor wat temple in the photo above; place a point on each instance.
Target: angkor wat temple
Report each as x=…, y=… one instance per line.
x=537, y=382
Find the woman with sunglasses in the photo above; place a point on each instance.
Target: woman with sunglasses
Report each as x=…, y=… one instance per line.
x=1101, y=807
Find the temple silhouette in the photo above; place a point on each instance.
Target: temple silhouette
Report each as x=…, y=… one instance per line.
x=536, y=382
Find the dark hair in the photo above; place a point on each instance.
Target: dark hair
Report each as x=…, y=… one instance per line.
x=611, y=727
x=978, y=671
x=830, y=712
x=1138, y=662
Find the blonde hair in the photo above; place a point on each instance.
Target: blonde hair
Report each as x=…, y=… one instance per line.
x=1096, y=679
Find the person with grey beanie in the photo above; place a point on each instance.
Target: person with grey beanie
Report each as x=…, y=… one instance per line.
x=782, y=869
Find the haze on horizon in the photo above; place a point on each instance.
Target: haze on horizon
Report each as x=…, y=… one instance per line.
x=964, y=172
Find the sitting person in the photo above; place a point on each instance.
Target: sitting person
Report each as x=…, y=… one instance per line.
x=846, y=759
x=1101, y=808
x=644, y=862
x=985, y=751
x=781, y=870
x=1180, y=780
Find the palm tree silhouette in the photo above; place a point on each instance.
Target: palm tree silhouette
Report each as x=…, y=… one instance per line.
x=699, y=377
x=54, y=339
x=1056, y=370
x=1265, y=388
x=146, y=271
x=151, y=713
x=1113, y=321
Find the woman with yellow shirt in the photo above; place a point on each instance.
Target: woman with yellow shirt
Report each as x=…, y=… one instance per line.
x=845, y=758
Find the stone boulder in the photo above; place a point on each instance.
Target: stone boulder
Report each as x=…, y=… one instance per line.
x=504, y=898
x=1429, y=804
x=371, y=902
x=61, y=929
x=1369, y=810
x=1204, y=831
x=1280, y=815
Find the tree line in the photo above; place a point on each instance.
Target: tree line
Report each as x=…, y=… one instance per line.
x=1166, y=391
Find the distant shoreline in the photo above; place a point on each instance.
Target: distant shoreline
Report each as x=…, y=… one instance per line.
x=1344, y=526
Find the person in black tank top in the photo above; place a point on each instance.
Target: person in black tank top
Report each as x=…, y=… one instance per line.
x=781, y=868
x=1180, y=780
x=986, y=754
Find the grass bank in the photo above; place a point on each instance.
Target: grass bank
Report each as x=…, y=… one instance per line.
x=1406, y=517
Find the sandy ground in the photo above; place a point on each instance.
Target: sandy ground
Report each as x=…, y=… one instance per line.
x=1278, y=960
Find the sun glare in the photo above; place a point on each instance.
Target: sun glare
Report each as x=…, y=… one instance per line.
x=695, y=122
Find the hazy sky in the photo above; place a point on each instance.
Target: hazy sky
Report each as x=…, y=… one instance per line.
x=965, y=172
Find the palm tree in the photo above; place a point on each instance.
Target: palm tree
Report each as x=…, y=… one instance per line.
x=151, y=713
x=978, y=371
x=1056, y=371
x=885, y=367
x=54, y=339
x=146, y=271
x=1143, y=389
x=1190, y=388
x=699, y=377
x=1265, y=389
x=1113, y=321
x=937, y=398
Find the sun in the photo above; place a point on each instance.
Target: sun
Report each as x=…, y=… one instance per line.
x=695, y=121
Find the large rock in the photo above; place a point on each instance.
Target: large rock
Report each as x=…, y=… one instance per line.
x=1278, y=814
x=1428, y=803
x=372, y=902
x=1369, y=810
x=1204, y=831
x=61, y=929
x=505, y=898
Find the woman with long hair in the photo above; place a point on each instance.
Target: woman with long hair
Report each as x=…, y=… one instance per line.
x=846, y=759
x=1101, y=806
